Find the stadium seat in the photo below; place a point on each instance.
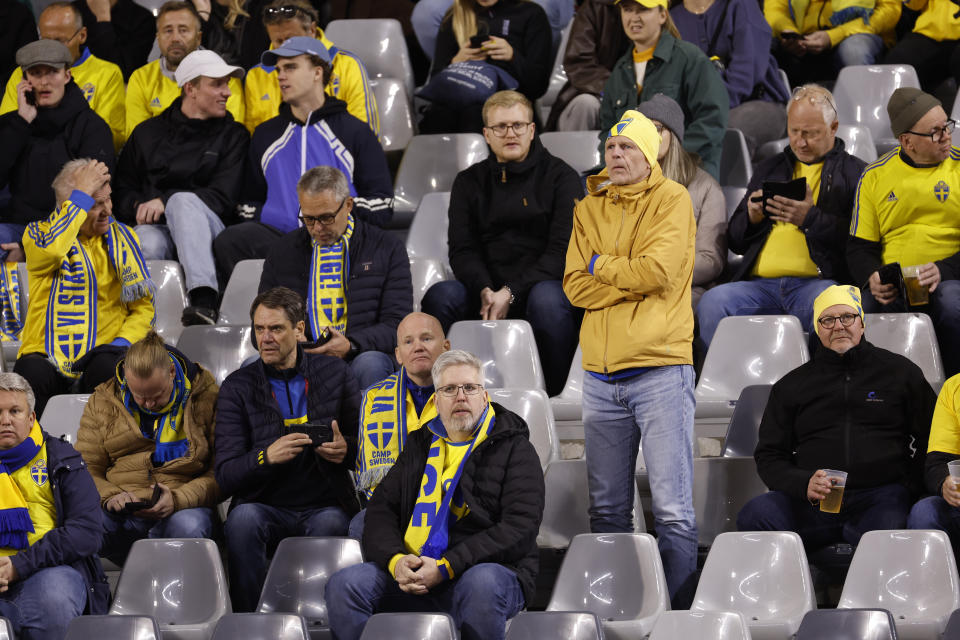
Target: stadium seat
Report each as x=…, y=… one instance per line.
x=110, y=628
x=862, y=93
x=912, y=574
x=239, y=294
x=426, y=272
x=716, y=625
x=847, y=624
x=735, y=167
x=558, y=78
x=533, y=406
x=6, y=631
x=298, y=575
x=179, y=582
x=168, y=277
x=430, y=163
x=396, y=115
x=721, y=487
x=422, y=626
x=261, y=626
x=506, y=348
x=61, y=416
x=858, y=141
x=221, y=350
x=911, y=335
x=732, y=197
x=566, y=503
x=568, y=406
x=565, y=625
x=763, y=575
x=744, y=424
x=579, y=149
x=747, y=350
x=428, y=230
x=379, y=43
x=617, y=576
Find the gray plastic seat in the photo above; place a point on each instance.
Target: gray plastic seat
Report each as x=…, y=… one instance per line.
x=239, y=293
x=261, y=626
x=178, y=582
x=299, y=573
x=848, y=624
x=857, y=140
x=565, y=625
x=558, y=77
x=912, y=574
x=732, y=197
x=721, y=488
x=762, y=574
x=111, y=628
x=61, y=416
x=747, y=350
x=219, y=349
x=744, y=427
x=427, y=237
x=735, y=167
x=422, y=626
x=617, y=576
x=6, y=630
x=716, y=625
x=862, y=93
x=568, y=406
x=533, y=406
x=579, y=149
x=396, y=116
x=426, y=272
x=171, y=300
x=379, y=43
x=506, y=348
x=911, y=335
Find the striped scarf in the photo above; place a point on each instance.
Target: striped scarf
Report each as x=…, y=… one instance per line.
x=168, y=430
x=15, y=520
x=10, y=321
x=327, y=289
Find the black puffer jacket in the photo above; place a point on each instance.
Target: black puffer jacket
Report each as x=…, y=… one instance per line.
x=502, y=485
x=379, y=289
x=827, y=224
x=510, y=223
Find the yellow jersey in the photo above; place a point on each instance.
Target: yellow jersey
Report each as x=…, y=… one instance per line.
x=785, y=252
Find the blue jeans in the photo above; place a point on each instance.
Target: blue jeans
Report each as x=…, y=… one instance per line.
x=355, y=530
x=863, y=510
x=934, y=513
x=481, y=600
x=555, y=322
x=121, y=530
x=858, y=49
x=654, y=408
x=370, y=367
x=762, y=296
x=41, y=606
x=187, y=235
x=10, y=232
x=253, y=532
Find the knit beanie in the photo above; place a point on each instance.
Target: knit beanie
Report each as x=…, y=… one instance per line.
x=837, y=294
x=666, y=110
x=906, y=106
x=640, y=130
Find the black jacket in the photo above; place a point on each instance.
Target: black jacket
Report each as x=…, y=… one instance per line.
x=172, y=153
x=379, y=288
x=502, y=484
x=827, y=224
x=249, y=420
x=17, y=28
x=125, y=40
x=856, y=412
x=34, y=153
x=510, y=223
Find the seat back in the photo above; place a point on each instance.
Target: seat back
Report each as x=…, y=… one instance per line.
x=862, y=93
x=176, y=581
x=110, y=627
x=858, y=141
x=848, y=624
x=558, y=77
x=735, y=167
x=425, y=272
x=911, y=335
x=6, y=631
x=579, y=149
x=506, y=348
x=61, y=416
x=533, y=406
x=422, y=626
x=240, y=293
x=298, y=576
x=221, y=349
x=171, y=300
x=396, y=116
x=721, y=487
x=427, y=237
x=732, y=197
x=379, y=43
x=716, y=625
x=744, y=427
x=261, y=626
x=566, y=503
x=568, y=625
x=568, y=406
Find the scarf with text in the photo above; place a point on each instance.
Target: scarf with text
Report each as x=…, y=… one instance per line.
x=169, y=433
x=327, y=289
x=15, y=520
x=10, y=321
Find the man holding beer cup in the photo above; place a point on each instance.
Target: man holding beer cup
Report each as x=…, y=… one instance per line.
x=837, y=438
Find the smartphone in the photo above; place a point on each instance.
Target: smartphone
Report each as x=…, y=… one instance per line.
x=31, y=97
x=790, y=35
x=324, y=338
x=890, y=274
x=483, y=34
x=320, y=431
x=139, y=505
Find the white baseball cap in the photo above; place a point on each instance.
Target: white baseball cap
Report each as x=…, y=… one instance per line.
x=204, y=62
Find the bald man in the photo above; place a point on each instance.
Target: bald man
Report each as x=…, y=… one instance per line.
x=384, y=423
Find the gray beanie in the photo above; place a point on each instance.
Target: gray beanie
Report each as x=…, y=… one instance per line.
x=906, y=106
x=664, y=109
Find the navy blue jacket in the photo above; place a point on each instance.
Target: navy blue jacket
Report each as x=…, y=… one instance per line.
x=76, y=539
x=379, y=288
x=249, y=420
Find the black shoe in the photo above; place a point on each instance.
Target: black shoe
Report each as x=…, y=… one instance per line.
x=198, y=315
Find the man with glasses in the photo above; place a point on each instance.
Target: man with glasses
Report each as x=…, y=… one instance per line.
x=509, y=223
x=354, y=276
x=100, y=81
x=854, y=408
x=792, y=248
x=908, y=212
x=453, y=526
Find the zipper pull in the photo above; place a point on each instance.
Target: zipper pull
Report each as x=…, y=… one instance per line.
x=525, y=201
x=503, y=174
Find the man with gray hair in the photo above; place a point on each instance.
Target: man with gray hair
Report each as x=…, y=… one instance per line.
x=453, y=526
x=50, y=522
x=354, y=276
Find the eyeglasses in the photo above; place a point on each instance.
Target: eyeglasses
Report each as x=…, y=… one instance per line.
x=816, y=97
x=286, y=12
x=325, y=219
x=846, y=319
x=451, y=390
x=937, y=134
x=518, y=128
x=75, y=33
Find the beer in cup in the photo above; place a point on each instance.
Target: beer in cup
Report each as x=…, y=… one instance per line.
x=917, y=294
x=831, y=504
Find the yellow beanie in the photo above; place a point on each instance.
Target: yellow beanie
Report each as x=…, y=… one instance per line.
x=837, y=294
x=641, y=131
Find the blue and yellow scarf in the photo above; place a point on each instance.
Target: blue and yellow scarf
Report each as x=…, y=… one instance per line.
x=10, y=321
x=169, y=433
x=327, y=289
x=71, y=327
x=15, y=520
